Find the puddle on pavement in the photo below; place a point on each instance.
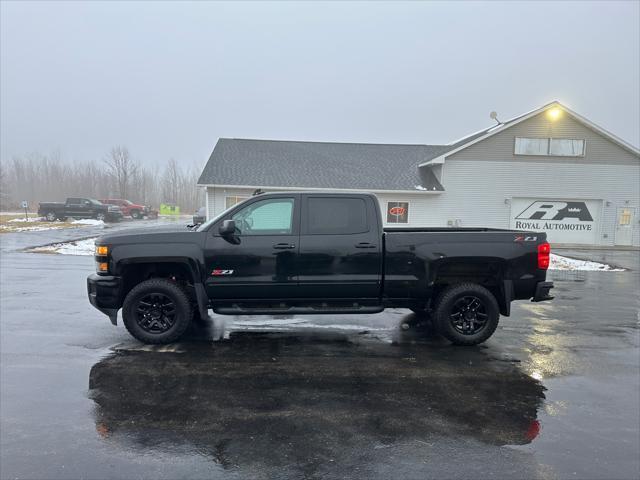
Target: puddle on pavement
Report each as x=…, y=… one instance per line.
x=268, y=397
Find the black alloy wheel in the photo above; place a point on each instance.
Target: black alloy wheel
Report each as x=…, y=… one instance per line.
x=468, y=315
x=156, y=313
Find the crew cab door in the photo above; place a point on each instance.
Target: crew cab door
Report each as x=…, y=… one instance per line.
x=76, y=207
x=340, y=247
x=260, y=260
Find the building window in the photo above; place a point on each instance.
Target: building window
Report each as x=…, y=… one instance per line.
x=397, y=212
x=232, y=200
x=625, y=217
x=532, y=146
x=555, y=147
x=566, y=147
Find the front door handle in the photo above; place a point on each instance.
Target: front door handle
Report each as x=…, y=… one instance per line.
x=365, y=245
x=284, y=246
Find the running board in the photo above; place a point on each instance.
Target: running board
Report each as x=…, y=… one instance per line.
x=240, y=309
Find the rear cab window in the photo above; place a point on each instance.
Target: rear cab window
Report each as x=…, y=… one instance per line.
x=336, y=216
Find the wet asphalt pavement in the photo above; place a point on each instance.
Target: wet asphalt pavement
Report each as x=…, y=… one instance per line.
x=553, y=394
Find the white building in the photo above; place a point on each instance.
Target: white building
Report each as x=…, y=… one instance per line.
x=550, y=169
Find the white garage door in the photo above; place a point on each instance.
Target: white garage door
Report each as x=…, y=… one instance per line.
x=565, y=221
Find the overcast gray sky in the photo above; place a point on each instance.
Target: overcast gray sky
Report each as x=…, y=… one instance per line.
x=167, y=79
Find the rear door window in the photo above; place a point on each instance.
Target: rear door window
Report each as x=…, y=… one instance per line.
x=336, y=216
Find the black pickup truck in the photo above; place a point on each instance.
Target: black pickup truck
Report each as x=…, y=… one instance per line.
x=308, y=253
x=76, y=207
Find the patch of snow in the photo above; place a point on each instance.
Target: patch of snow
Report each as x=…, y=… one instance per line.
x=270, y=322
x=420, y=187
x=24, y=220
x=558, y=262
x=88, y=221
x=31, y=228
x=78, y=247
x=297, y=323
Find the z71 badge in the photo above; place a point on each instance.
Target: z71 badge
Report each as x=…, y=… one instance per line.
x=218, y=271
x=525, y=238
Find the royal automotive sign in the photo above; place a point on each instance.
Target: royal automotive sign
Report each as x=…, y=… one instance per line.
x=565, y=221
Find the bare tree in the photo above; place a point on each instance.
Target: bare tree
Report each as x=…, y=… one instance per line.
x=36, y=178
x=171, y=182
x=122, y=169
x=5, y=193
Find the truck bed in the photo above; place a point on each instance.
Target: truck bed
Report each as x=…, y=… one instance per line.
x=450, y=229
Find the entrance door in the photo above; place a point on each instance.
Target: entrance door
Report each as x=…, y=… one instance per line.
x=624, y=225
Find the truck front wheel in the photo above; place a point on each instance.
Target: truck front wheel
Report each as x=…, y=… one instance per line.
x=157, y=311
x=135, y=214
x=466, y=314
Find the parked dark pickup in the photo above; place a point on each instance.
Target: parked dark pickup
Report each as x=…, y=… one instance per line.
x=76, y=207
x=306, y=253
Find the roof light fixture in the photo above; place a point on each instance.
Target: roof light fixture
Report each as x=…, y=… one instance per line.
x=554, y=113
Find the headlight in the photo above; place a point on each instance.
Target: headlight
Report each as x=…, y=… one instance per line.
x=102, y=250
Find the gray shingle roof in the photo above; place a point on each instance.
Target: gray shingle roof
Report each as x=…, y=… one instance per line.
x=273, y=163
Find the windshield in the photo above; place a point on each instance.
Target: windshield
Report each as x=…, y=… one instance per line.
x=208, y=223
x=94, y=201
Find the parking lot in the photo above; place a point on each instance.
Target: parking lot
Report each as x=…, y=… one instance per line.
x=553, y=394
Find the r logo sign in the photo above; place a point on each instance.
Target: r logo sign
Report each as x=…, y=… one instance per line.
x=565, y=221
x=556, y=210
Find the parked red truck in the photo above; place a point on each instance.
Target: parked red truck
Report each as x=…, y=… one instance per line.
x=130, y=209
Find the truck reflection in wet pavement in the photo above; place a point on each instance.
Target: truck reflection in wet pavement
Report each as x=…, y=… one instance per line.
x=270, y=399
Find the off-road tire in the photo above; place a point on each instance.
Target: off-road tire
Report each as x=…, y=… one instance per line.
x=183, y=315
x=443, y=309
x=101, y=216
x=135, y=214
x=50, y=216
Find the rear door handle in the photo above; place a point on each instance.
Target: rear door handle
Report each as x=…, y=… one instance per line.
x=365, y=245
x=283, y=246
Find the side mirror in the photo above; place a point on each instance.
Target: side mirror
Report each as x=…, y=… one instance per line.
x=227, y=228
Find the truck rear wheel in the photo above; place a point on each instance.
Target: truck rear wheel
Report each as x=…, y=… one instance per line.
x=466, y=314
x=157, y=311
x=50, y=216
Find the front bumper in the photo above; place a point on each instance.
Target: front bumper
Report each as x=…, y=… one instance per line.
x=104, y=294
x=114, y=216
x=542, y=292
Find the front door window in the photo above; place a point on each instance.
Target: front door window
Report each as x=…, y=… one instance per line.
x=267, y=217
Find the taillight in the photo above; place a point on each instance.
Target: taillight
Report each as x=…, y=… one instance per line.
x=544, y=255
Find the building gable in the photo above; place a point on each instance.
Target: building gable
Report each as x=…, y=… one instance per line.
x=599, y=149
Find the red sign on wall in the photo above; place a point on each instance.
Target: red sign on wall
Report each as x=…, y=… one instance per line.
x=398, y=212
